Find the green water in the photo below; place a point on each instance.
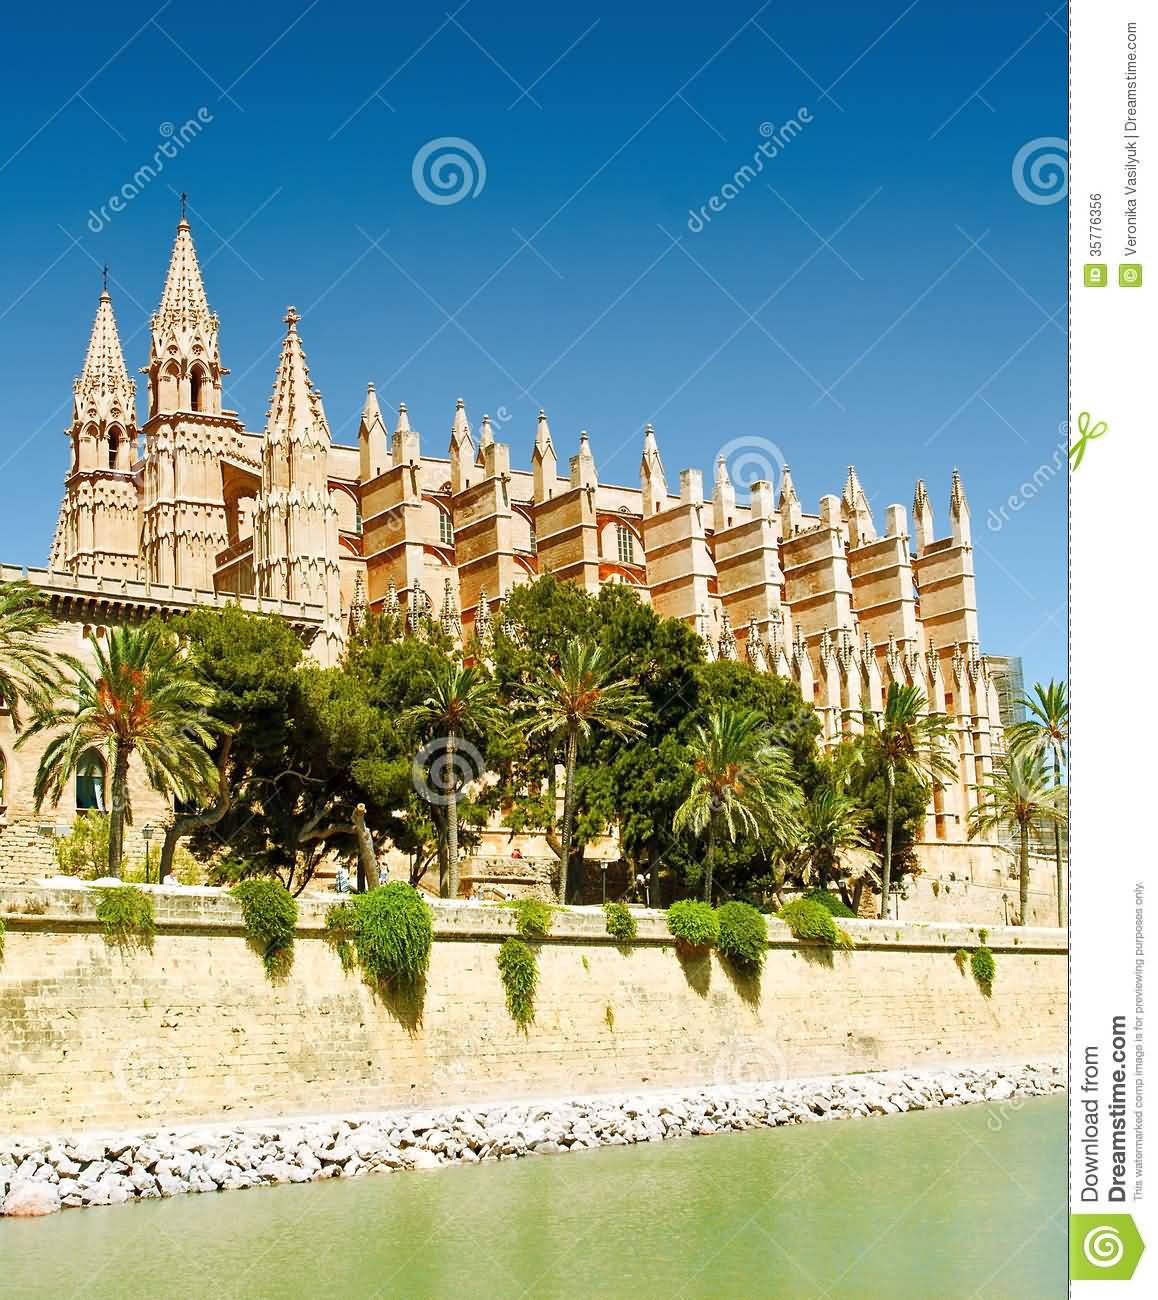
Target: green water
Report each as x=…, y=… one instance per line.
x=941, y=1204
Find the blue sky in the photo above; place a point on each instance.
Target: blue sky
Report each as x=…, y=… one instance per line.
x=571, y=279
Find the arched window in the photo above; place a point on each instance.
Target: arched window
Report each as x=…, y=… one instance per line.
x=445, y=529
x=196, y=388
x=114, y=448
x=625, y=542
x=90, y=783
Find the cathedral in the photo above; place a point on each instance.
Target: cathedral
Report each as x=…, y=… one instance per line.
x=190, y=507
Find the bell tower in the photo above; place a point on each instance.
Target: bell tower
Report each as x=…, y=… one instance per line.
x=97, y=532
x=187, y=431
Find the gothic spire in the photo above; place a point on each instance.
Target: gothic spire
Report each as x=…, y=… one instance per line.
x=295, y=409
x=183, y=302
x=103, y=390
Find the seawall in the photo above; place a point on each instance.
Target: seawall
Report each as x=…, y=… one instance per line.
x=97, y=1037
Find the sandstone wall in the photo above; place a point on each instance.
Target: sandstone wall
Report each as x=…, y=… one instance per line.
x=99, y=1038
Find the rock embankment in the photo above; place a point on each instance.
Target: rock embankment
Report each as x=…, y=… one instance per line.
x=40, y=1177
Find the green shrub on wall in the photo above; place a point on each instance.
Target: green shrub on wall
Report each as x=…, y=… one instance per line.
x=619, y=921
x=392, y=930
x=808, y=919
x=984, y=970
x=833, y=903
x=1, y=938
x=271, y=917
x=126, y=913
x=84, y=851
x=532, y=917
x=743, y=935
x=520, y=975
x=694, y=924
x=961, y=957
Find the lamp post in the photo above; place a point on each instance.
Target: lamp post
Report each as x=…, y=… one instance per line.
x=147, y=836
x=603, y=873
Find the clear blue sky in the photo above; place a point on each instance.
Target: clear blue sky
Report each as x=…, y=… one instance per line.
x=600, y=129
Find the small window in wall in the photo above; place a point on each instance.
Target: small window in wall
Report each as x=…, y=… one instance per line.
x=114, y=447
x=445, y=529
x=196, y=389
x=533, y=535
x=90, y=784
x=625, y=542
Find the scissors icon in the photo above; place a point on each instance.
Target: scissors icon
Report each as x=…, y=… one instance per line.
x=1088, y=434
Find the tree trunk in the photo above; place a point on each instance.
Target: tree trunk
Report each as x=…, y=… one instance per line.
x=568, y=812
x=117, y=811
x=1024, y=882
x=184, y=825
x=1057, y=853
x=857, y=890
x=452, y=819
x=709, y=859
x=887, y=864
x=367, y=858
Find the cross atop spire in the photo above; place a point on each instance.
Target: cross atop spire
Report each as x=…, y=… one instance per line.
x=105, y=280
x=184, y=207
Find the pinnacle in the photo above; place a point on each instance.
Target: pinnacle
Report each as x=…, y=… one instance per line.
x=183, y=301
x=105, y=375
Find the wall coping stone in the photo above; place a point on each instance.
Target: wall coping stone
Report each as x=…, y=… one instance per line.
x=201, y=909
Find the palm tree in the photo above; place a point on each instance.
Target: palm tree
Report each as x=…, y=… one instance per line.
x=742, y=786
x=1019, y=797
x=907, y=739
x=832, y=826
x=460, y=701
x=568, y=703
x=1046, y=731
x=138, y=695
x=28, y=669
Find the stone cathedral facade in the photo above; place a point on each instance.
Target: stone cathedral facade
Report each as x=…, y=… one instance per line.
x=188, y=506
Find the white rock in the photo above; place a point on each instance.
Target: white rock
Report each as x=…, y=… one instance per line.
x=30, y=1200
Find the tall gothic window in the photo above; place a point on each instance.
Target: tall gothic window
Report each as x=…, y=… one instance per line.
x=533, y=536
x=445, y=529
x=90, y=783
x=114, y=447
x=196, y=388
x=625, y=541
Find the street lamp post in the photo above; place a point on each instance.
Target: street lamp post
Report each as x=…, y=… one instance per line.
x=147, y=836
x=603, y=872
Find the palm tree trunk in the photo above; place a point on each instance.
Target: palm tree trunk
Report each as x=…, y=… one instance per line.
x=367, y=857
x=452, y=819
x=1023, y=919
x=709, y=860
x=887, y=865
x=1057, y=853
x=117, y=810
x=568, y=810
